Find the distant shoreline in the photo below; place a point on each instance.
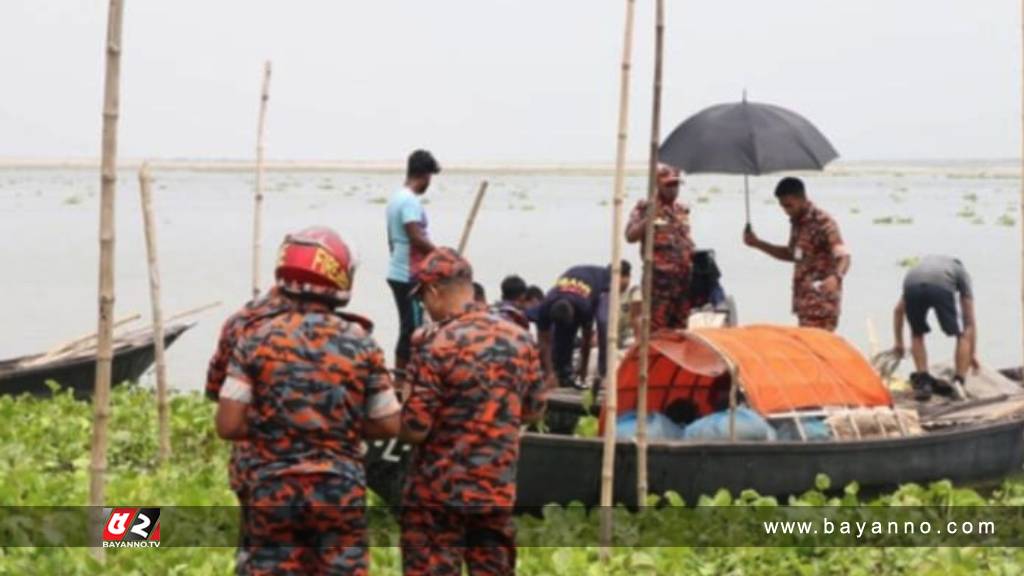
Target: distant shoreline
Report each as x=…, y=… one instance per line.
x=995, y=169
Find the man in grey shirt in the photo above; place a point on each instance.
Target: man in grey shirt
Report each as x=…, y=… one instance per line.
x=937, y=282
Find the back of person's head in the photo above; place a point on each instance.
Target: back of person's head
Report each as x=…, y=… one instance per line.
x=790, y=186
x=513, y=288
x=682, y=411
x=534, y=293
x=626, y=267
x=562, y=312
x=479, y=294
x=421, y=163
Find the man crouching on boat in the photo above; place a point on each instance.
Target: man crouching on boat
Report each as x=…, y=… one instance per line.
x=939, y=283
x=475, y=380
x=305, y=388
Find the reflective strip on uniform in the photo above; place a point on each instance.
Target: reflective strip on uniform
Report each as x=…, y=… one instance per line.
x=383, y=404
x=237, y=390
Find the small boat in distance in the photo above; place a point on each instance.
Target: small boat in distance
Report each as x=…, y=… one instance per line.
x=133, y=354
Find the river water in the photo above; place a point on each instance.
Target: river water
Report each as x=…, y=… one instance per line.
x=535, y=225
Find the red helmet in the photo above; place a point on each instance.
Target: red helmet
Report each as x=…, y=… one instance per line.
x=316, y=261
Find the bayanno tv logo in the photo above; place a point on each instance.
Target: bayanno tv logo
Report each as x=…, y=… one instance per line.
x=131, y=528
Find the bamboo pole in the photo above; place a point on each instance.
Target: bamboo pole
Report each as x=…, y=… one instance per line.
x=1021, y=224
x=257, y=217
x=648, y=273
x=472, y=217
x=163, y=415
x=108, y=187
x=612, y=388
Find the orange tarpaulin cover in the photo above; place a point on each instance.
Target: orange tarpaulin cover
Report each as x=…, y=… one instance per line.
x=779, y=369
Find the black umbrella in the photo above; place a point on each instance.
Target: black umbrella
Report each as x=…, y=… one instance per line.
x=746, y=138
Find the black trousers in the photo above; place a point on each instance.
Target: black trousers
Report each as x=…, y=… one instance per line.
x=410, y=317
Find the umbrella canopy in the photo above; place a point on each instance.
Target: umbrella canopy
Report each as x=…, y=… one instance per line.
x=779, y=368
x=746, y=138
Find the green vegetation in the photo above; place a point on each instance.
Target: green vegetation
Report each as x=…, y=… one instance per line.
x=378, y=200
x=74, y=200
x=967, y=212
x=703, y=199
x=1006, y=220
x=971, y=197
x=44, y=457
x=909, y=262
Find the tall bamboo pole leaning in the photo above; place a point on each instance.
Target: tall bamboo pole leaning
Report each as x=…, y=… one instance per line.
x=648, y=274
x=163, y=414
x=471, y=218
x=108, y=187
x=611, y=388
x=257, y=216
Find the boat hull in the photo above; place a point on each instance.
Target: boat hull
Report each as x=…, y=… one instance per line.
x=560, y=469
x=79, y=374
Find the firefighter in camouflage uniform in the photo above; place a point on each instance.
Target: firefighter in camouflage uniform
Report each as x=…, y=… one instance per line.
x=672, y=263
x=475, y=378
x=816, y=247
x=304, y=388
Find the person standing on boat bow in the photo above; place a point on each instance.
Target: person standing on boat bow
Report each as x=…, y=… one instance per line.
x=408, y=244
x=673, y=251
x=939, y=283
x=816, y=247
x=475, y=380
x=304, y=389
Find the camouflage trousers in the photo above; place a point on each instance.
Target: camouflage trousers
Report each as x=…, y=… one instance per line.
x=670, y=305
x=438, y=541
x=816, y=308
x=304, y=524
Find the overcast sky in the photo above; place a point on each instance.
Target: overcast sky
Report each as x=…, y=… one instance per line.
x=504, y=80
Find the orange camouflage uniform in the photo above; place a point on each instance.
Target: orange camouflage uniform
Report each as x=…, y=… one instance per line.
x=672, y=264
x=236, y=328
x=315, y=377
x=816, y=246
x=474, y=378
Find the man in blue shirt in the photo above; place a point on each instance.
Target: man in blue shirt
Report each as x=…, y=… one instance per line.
x=409, y=244
x=574, y=303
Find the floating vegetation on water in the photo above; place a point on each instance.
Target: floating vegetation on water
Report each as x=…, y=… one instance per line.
x=1006, y=220
x=971, y=197
x=326, y=186
x=854, y=210
x=378, y=200
x=425, y=201
x=901, y=220
x=978, y=221
x=909, y=262
x=527, y=207
x=603, y=203
x=73, y=200
x=896, y=198
x=967, y=212
x=520, y=194
x=714, y=190
x=703, y=199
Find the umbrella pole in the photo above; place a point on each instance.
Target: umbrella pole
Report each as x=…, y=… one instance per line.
x=746, y=195
x=257, y=215
x=108, y=188
x=611, y=392
x=648, y=271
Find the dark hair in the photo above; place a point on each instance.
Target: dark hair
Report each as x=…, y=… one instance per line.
x=512, y=288
x=421, y=163
x=624, y=266
x=479, y=294
x=790, y=186
x=534, y=293
x=562, y=311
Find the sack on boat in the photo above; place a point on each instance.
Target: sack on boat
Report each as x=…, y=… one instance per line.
x=874, y=423
x=659, y=427
x=749, y=426
x=815, y=430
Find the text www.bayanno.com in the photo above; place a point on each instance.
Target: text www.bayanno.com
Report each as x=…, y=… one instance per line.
x=862, y=529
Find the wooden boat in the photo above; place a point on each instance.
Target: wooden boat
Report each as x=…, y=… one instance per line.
x=966, y=442
x=133, y=355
